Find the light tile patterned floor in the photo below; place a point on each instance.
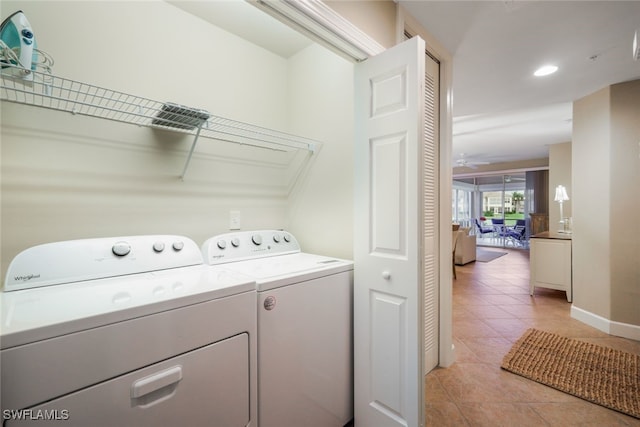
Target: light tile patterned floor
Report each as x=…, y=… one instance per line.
x=491, y=310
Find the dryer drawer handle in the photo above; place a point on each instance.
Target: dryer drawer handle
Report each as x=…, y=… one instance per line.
x=156, y=381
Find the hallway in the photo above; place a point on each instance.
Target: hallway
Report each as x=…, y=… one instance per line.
x=491, y=310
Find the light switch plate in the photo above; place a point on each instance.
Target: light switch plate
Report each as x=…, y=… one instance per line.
x=234, y=220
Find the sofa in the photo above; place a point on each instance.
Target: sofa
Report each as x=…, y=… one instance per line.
x=465, y=246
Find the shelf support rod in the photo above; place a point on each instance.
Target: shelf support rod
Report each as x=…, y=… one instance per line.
x=193, y=146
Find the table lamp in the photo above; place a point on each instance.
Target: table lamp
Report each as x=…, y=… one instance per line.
x=561, y=196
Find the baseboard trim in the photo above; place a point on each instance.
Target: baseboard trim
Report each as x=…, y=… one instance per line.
x=624, y=330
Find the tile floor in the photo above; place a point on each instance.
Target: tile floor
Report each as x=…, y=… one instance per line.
x=491, y=310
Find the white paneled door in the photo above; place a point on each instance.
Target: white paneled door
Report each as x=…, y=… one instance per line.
x=389, y=230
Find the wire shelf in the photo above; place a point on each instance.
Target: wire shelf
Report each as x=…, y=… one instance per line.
x=57, y=93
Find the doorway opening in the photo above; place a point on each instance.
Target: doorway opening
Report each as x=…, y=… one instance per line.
x=494, y=208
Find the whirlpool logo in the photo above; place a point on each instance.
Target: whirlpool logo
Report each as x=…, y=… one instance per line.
x=26, y=278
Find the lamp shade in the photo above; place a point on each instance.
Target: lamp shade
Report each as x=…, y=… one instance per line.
x=561, y=194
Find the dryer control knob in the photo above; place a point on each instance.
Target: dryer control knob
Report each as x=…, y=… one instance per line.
x=121, y=249
x=177, y=246
x=235, y=242
x=276, y=238
x=158, y=246
x=287, y=238
x=256, y=239
x=222, y=244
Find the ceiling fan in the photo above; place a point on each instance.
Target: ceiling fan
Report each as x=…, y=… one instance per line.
x=465, y=162
x=511, y=178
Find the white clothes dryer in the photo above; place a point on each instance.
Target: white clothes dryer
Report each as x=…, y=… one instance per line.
x=127, y=331
x=305, y=327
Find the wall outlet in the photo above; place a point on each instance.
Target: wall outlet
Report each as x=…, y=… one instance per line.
x=234, y=220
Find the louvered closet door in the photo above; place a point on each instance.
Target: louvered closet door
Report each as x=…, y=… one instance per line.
x=430, y=187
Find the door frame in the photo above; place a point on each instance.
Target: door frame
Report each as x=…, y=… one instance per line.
x=332, y=29
x=406, y=23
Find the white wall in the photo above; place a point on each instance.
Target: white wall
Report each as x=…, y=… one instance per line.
x=320, y=212
x=375, y=18
x=591, y=168
x=606, y=178
x=67, y=177
x=625, y=194
x=155, y=50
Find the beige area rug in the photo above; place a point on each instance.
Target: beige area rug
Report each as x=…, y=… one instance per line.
x=601, y=375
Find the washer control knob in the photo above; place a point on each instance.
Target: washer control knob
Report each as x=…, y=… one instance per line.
x=177, y=246
x=222, y=244
x=276, y=238
x=158, y=246
x=121, y=249
x=287, y=238
x=235, y=242
x=256, y=239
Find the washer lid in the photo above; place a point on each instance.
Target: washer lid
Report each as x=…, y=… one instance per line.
x=282, y=270
x=35, y=314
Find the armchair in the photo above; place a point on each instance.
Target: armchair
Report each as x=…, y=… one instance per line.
x=517, y=233
x=465, y=247
x=481, y=230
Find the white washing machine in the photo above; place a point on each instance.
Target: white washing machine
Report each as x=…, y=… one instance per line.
x=305, y=327
x=128, y=331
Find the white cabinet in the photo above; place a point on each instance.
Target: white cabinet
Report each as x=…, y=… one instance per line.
x=550, y=262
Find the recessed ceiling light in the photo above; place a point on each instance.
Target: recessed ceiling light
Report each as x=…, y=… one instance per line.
x=545, y=70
